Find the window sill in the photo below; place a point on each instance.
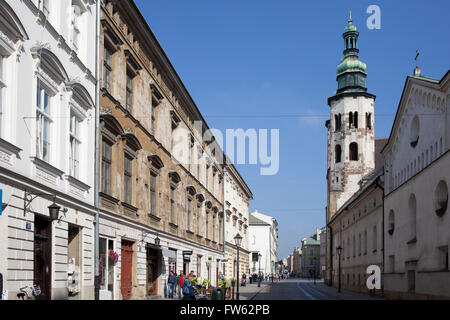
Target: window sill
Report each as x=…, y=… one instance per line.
x=74, y=181
x=8, y=147
x=108, y=197
x=47, y=167
x=173, y=225
x=129, y=206
x=154, y=217
x=412, y=241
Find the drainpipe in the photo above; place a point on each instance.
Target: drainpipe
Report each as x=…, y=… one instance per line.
x=377, y=182
x=97, y=155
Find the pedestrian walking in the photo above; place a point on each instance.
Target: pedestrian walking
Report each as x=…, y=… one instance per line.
x=180, y=284
x=171, y=284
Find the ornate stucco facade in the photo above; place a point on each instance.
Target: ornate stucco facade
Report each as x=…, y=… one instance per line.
x=152, y=186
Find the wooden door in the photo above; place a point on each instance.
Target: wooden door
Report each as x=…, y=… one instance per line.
x=43, y=257
x=126, y=282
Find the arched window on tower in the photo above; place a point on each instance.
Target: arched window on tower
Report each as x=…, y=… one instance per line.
x=368, y=120
x=338, y=153
x=355, y=119
x=350, y=120
x=353, y=151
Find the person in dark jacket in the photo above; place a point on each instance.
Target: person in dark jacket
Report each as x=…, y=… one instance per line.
x=171, y=284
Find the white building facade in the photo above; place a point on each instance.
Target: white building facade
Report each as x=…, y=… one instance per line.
x=237, y=201
x=47, y=131
x=417, y=220
x=263, y=237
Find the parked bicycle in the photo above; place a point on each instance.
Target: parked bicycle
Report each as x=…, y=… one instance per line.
x=31, y=293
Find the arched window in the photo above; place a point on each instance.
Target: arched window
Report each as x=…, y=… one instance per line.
x=350, y=120
x=353, y=151
x=391, y=223
x=412, y=218
x=414, y=132
x=355, y=119
x=369, y=121
x=338, y=153
x=441, y=198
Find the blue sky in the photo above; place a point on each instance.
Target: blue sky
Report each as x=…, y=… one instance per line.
x=270, y=58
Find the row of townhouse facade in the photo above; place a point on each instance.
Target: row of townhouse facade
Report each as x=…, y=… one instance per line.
x=162, y=178
x=397, y=219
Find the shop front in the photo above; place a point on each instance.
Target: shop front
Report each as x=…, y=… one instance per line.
x=154, y=256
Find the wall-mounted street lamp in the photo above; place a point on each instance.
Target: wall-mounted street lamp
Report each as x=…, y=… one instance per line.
x=157, y=241
x=53, y=209
x=259, y=269
x=238, y=242
x=339, y=251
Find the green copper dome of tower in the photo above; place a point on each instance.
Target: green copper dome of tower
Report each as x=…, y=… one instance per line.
x=351, y=72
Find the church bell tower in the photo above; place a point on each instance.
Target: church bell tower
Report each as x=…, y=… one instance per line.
x=351, y=134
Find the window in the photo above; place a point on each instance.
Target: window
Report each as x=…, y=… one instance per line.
x=359, y=244
x=127, y=176
x=172, y=204
x=220, y=229
x=412, y=219
x=369, y=121
x=443, y=251
x=441, y=198
x=106, y=166
x=76, y=15
x=153, y=178
x=353, y=151
x=214, y=227
x=338, y=151
x=355, y=119
x=43, y=122
x=44, y=6
x=189, y=214
x=157, y=97
x=375, y=238
x=129, y=93
x=354, y=246
x=350, y=120
x=207, y=225
x=74, y=145
x=337, y=122
x=391, y=222
x=365, y=241
x=153, y=116
x=107, y=68
x=198, y=217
